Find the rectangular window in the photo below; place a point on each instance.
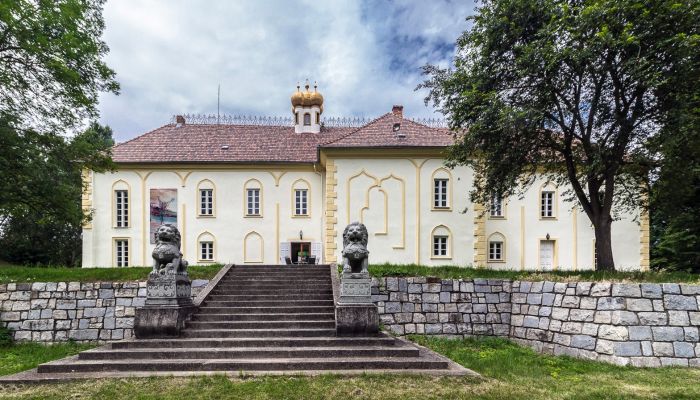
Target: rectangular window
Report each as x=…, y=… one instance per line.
x=122, y=249
x=206, y=202
x=121, y=198
x=547, y=204
x=301, y=202
x=206, y=251
x=496, y=206
x=495, y=251
x=440, y=246
x=253, y=201
x=440, y=199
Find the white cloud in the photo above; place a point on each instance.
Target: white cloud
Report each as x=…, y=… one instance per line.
x=171, y=55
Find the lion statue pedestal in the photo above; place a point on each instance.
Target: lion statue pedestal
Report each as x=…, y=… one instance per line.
x=355, y=313
x=168, y=291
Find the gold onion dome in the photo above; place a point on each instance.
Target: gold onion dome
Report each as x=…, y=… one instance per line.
x=307, y=98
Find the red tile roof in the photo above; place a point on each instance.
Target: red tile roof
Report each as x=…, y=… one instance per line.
x=274, y=144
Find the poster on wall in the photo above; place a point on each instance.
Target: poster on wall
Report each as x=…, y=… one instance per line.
x=163, y=209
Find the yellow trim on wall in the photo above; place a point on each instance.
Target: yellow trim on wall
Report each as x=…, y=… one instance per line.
x=114, y=251
x=644, y=239
x=574, y=227
x=198, y=199
x=277, y=177
x=86, y=196
x=402, y=245
x=144, y=214
x=386, y=208
x=183, y=232
x=449, y=243
x=479, y=235
x=245, y=248
x=114, y=204
x=199, y=247
x=449, y=190
x=504, y=247
x=277, y=230
x=183, y=178
x=555, y=256
x=522, y=237
x=331, y=219
x=245, y=199
x=348, y=182
x=308, y=198
x=418, y=198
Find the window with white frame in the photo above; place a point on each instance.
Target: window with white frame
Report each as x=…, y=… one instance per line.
x=440, y=193
x=206, y=201
x=121, y=198
x=301, y=202
x=253, y=201
x=440, y=246
x=121, y=256
x=496, y=206
x=206, y=251
x=495, y=250
x=547, y=204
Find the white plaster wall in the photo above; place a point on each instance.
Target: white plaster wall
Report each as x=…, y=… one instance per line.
x=228, y=226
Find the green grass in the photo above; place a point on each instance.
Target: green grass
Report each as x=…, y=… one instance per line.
x=22, y=356
x=508, y=372
x=61, y=274
x=454, y=272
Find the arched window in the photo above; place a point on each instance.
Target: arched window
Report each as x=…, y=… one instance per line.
x=253, y=198
x=205, y=198
x=121, y=204
x=441, y=242
x=442, y=189
x=307, y=119
x=206, y=243
x=497, y=247
x=301, y=195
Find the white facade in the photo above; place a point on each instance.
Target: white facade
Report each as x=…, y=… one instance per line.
x=391, y=193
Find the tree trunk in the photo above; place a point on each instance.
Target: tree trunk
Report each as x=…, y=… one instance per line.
x=603, y=244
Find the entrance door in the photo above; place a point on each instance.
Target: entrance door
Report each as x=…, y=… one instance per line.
x=547, y=255
x=300, y=251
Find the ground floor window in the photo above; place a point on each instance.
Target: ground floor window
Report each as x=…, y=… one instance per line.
x=121, y=247
x=495, y=251
x=440, y=246
x=206, y=251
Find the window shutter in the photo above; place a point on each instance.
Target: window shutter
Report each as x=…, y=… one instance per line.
x=285, y=251
x=316, y=250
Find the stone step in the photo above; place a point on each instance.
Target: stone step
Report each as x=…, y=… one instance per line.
x=264, y=286
x=249, y=353
x=273, y=279
x=295, y=342
x=298, y=324
x=264, y=297
x=265, y=317
x=262, y=364
x=277, y=292
x=266, y=310
x=257, y=333
x=269, y=303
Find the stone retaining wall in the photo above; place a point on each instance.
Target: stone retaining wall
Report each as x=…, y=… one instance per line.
x=637, y=324
x=60, y=311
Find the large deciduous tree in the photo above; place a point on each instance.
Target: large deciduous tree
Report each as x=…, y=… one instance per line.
x=572, y=90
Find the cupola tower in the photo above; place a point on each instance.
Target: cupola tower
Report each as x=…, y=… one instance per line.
x=307, y=107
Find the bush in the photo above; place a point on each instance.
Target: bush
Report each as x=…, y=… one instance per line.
x=5, y=336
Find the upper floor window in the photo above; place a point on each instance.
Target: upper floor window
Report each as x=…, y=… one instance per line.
x=253, y=201
x=206, y=201
x=496, y=206
x=301, y=202
x=121, y=218
x=440, y=193
x=547, y=204
x=307, y=119
x=121, y=256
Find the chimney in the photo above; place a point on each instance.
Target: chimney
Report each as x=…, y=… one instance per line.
x=179, y=120
x=397, y=110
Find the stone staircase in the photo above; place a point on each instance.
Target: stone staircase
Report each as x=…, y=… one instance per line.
x=258, y=319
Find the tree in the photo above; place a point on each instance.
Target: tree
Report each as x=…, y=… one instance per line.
x=572, y=90
x=51, y=67
x=41, y=214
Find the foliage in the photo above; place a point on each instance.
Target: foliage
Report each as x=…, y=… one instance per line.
x=51, y=68
x=5, y=336
x=63, y=274
x=573, y=90
x=509, y=372
x=455, y=272
x=41, y=215
x=23, y=356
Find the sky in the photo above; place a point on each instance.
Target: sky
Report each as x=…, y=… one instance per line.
x=170, y=56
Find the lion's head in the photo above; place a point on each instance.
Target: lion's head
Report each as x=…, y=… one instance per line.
x=168, y=233
x=355, y=233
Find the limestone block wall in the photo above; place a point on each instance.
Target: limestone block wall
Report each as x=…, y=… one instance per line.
x=61, y=311
x=637, y=324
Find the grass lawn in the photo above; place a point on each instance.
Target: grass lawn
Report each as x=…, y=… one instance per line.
x=448, y=272
x=509, y=372
x=23, y=356
x=61, y=274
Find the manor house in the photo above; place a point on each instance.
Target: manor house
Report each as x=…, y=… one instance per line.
x=266, y=193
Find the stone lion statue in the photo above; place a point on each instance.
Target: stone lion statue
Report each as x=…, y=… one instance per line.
x=167, y=258
x=355, y=251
